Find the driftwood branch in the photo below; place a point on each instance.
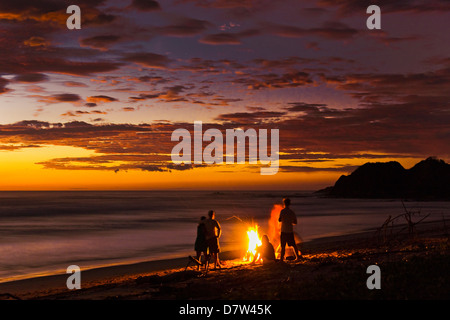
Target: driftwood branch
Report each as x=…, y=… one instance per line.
x=385, y=232
x=8, y=295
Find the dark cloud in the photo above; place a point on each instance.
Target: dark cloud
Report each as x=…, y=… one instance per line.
x=291, y=79
x=3, y=84
x=438, y=61
x=78, y=113
x=309, y=169
x=230, y=4
x=384, y=38
x=31, y=77
x=42, y=6
x=130, y=145
x=27, y=40
x=208, y=66
x=334, y=30
x=385, y=128
x=314, y=110
x=250, y=117
x=417, y=6
x=305, y=156
x=54, y=11
x=100, y=42
x=221, y=38
x=13, y=147
x=314, y=11
x=69, y=67
x=58, y=98
x=98, y=19
x=184, y=27
x=173, y=94
x=22, y=60
x=180, y=93
x=283, y=63
x=148, y=59
x=143, y=96
x=151, y=79
x=35, y=124
x=330, y=30
x=228, y=38
x=106, y=163
x=145, y=5
x=89, y=164
x=380, y=88
x=36, y=42
x=311, y=132
x=66, y=97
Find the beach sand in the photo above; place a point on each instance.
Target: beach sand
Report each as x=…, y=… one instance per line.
x=412, y=267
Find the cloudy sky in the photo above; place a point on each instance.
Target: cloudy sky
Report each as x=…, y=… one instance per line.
x=95, y=108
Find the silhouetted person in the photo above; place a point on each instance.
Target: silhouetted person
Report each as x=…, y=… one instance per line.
x=265, y=250
x=201, y=246
x=288, y=220
x=213, y=232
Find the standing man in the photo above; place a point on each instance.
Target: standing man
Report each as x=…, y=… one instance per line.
x=213, y=233
x=288, y=220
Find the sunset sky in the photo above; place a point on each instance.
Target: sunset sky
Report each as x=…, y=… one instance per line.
x=95, y=108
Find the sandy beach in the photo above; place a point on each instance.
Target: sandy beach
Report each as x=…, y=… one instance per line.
x=413, y=266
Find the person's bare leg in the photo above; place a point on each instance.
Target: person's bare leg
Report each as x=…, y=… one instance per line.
x=298, y=254
x=199, y=254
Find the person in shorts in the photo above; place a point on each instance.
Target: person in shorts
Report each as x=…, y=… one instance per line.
x=288, y=220
x=201, y=246
x=213, y=233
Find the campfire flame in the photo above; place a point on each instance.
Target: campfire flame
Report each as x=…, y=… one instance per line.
x=273, y=233
x=254, y=241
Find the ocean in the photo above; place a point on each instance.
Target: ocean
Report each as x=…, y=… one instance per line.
x=44, y=232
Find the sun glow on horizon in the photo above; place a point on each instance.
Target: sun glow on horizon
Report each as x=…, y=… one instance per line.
x=23, y=168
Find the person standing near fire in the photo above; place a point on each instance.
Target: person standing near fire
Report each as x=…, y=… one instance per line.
x=213, y=233
x=288, y=219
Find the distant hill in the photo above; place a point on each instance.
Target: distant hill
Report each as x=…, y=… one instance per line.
x=428, y=180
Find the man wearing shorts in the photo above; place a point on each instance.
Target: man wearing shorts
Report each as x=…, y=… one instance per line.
x=288, y=220
x=213, y=232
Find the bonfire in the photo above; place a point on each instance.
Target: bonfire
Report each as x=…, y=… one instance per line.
x=254, y=241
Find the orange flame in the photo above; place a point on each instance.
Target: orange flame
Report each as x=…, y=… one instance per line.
x=274, y=227
x=254, y=241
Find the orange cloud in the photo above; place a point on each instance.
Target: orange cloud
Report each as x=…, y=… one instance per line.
x=100, y=99
x=36, y=42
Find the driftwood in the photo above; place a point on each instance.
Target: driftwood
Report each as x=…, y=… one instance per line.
x=5, y=296
x=385, y=233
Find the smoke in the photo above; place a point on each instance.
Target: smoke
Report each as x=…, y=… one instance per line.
x=274, y=228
